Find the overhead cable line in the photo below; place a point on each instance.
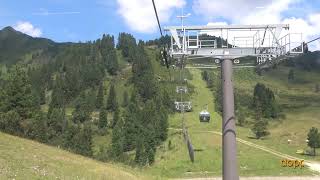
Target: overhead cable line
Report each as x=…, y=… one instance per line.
x=164, y=52
x=313, y=40
x=155, y=10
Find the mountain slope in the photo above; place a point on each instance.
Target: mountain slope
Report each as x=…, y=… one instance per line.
x=21, y=158
x=15, y=46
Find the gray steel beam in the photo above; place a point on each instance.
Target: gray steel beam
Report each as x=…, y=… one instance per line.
x=229, y=152
x=234, y=27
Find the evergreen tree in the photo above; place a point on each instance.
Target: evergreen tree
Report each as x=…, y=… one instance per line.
x=117, y=140
x=166, y=100
x=116, y=117
x=125, y=99
x=103, y=121
x=148, y=128
x=127, y=43
x=112, y=62
x=260, y=125
x=143, y=75
x=109, y=54
x=241, y=117
x=56, y=123
x=291, y=75
x=57, y=97
x=218, y=96
x=112, y=99
x=140, y=157
x=205, y=75
x=100, y=97
x=38, y=129
x=82, y=141
x=159, y=115
x=130, y=128
x=314, y=139
x=82, y=110
x=87, y=141
x=264, y=98
x=10, y=122
x=17, y=94
x=69, y=136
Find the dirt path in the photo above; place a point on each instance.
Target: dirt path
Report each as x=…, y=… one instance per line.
x=314, y=166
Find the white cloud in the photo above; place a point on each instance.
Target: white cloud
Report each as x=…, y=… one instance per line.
x=28, y=28
x=217, y=24
x=139, y=14
x=229, y=9
x=45, y=12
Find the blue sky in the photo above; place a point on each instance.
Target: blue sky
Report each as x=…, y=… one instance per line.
x=83, y=20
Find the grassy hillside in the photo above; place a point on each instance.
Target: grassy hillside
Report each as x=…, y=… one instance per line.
x=25, y=159
x=298, y=100
x=175, y=162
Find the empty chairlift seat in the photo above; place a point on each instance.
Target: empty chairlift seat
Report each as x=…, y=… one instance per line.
x=181, y=89
x=186, y=106
x=204, y=116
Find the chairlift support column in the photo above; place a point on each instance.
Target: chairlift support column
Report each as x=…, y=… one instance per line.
x=229, y=153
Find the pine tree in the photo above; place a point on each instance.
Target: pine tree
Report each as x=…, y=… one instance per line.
x=125, y=101
x=69, y=136
x=38, y=129
x=260, y=125
x=148, y=134
x=241, y=117
x=166, y=100
x=291, y=75
x=205, y=75
x=56, y=123
x=17, y=94
x=87, y=140
x=103, y=121
x=263, y=98
x=314, y=139
x=82, y=110
x=10, y=122
x=130, y=128
x=140, y=157
x=159, y=115
x=100, y=97
x=82, y=140
x=150, y=145
x=112, y=99
x=117, y=140
x=112, y=62
x=116, y=117
x=57, y=97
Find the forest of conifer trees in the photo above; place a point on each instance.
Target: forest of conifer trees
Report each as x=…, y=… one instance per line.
x=75, y=78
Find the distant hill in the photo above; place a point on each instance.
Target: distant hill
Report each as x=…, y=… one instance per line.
x=309, y=61
x=16, y=46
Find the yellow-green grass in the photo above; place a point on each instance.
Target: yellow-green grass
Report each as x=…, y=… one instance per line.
x=208, y=162
x=301, y=106
x=26, y=159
